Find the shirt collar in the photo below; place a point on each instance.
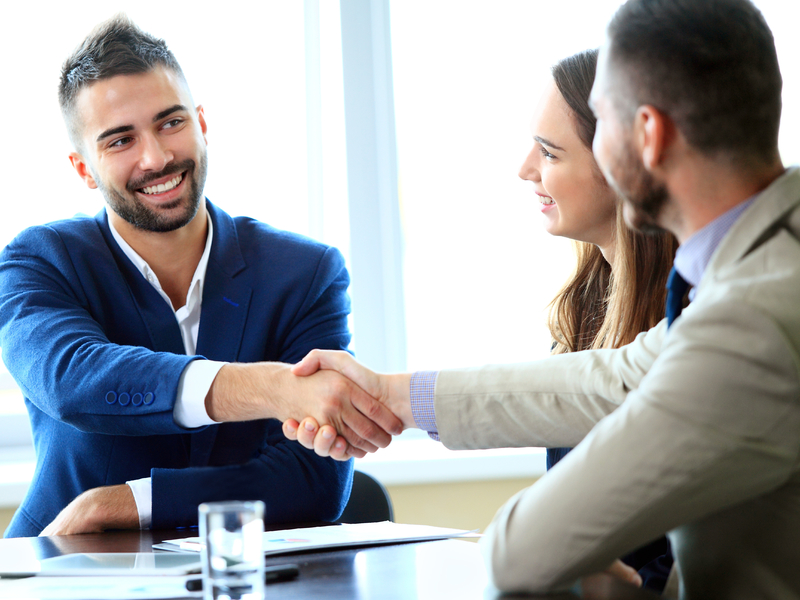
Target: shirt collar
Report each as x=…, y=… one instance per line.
x=142, y=266
x=694, y=254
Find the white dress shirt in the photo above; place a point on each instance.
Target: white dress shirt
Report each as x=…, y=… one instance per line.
x=190, y=409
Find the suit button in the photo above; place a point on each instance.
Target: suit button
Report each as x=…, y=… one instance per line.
x=149, y=397
x=124, y=399
x=136, y=399
x=111, y=397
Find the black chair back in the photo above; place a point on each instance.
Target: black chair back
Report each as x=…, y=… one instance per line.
x=369, y=501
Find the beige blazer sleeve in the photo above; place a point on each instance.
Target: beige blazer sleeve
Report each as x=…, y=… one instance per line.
x=712, y=427
x=551, y=402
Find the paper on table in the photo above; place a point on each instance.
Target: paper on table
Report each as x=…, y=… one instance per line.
x=96, y=588
x=286, y=541
x=95, y=564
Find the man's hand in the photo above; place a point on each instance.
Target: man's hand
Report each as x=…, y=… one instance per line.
x=391, y=390
x=96, y=510
x=270, y=390
x=322, y=440
x=625, y=572
x=604, y=585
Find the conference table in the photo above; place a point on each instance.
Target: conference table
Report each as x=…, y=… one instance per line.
x=447, y=569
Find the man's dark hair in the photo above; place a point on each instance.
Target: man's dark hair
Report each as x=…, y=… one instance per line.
x=710, y=65
x=115, y=47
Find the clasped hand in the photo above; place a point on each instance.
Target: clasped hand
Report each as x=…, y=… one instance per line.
x=390, y=391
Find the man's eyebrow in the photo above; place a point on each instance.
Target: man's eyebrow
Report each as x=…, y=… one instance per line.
x=124, y=128
x=114, y=131
x=547, y=143
x=168, y=111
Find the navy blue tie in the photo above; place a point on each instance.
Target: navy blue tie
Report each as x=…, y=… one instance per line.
x=676, y=290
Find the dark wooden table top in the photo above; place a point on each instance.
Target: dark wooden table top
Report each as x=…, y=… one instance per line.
x=443, y=569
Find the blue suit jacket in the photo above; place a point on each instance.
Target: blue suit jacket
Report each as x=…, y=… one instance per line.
x=98, y=355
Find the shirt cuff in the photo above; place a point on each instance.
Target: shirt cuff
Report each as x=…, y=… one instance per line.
x=190, y=405
x=143, y=496
x=423, y=388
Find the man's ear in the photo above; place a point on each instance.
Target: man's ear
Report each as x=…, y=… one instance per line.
x=651, y=134
x=201, y=118
x=80, y=166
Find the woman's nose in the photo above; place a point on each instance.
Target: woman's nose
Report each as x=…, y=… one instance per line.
x=529, y=171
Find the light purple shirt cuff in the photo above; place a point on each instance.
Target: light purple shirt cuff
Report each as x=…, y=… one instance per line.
x=423, y=388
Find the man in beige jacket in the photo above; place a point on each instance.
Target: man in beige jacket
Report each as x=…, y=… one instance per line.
x=692, y=430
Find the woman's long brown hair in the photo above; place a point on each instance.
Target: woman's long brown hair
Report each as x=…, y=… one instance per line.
x=601, y=306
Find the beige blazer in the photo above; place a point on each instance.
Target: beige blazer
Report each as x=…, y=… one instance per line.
x=695, y=431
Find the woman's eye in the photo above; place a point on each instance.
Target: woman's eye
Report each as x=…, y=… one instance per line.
x=546, y=154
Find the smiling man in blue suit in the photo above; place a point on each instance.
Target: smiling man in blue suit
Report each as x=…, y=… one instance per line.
x=151, y=341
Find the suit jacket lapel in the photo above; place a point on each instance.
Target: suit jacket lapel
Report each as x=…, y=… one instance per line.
x=226, y=293
x=757, y=223
x=226, y=301
x=157, y=316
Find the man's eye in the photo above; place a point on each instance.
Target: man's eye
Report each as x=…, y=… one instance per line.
x=172, y=123
x=120, y=142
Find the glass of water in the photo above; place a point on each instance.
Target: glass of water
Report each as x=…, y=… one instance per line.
x=233, y=559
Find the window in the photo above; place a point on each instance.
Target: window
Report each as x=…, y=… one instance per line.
x=478, y=270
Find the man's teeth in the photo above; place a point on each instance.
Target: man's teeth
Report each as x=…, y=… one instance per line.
x=162, y=187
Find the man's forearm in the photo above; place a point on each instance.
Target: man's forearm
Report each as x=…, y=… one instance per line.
x=95, y=510
x=398, y=399
x=245, y=392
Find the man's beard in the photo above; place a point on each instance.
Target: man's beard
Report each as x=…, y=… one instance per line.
x=131, y=209
x=643, y=198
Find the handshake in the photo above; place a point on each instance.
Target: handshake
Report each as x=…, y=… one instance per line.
x=359, y=411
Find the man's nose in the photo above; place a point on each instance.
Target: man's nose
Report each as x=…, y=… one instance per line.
x=154, y=154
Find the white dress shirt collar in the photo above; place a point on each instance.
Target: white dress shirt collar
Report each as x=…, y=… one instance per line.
x=188, y=316
x=142, y=266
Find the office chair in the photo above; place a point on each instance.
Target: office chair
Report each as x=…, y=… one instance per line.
x=369, y=501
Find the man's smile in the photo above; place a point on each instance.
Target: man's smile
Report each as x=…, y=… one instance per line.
x=162, y=187
x=165, y=187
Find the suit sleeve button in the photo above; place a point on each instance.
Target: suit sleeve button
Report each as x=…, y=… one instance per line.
x=124, y=399
x=149, y=397
x=111, y=397
x=136, y=399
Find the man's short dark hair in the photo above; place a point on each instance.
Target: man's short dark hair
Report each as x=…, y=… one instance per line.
x=115, y=47
x=710, y=65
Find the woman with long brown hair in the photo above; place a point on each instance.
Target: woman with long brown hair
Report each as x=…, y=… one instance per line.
x=608, y=300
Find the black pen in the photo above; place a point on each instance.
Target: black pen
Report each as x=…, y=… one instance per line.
x=272, y=574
